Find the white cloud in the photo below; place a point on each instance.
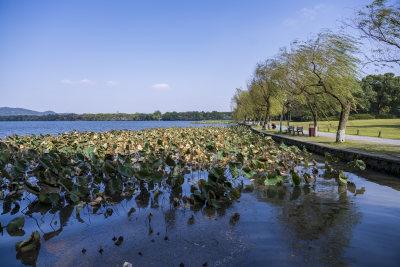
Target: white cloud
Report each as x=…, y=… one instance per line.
x=112, y=83
x=83, y=81
x=311, y=13
x=161, y=86
x=289, y=22
x=307, y=14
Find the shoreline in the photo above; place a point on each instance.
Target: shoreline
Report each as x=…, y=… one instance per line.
x=378, y=162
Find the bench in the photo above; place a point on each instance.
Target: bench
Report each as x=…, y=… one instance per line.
x=298, y=130
x=290, y=129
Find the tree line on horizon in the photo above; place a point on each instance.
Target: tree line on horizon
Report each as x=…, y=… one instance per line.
x=156, y=116
x=320, y=77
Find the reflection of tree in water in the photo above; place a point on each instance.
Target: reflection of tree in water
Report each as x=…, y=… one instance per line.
x=170, y=214
x=318, y=225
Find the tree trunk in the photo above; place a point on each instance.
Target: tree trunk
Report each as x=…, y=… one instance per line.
x=314, y=113
x=316, y=125
x=281, y=119
x=344, y=117
x=266, y=120
x=267, y=114
x=265, y=125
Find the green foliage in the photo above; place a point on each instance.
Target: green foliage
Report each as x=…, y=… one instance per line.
x=342, y=178
x=15, y=224
x=361, y=117
x=32, y=243
x=320, y=74
x=381, y=94
x=80, y=168
x=156, y=116
x=274, y=180
x=379, y=22
x=358, y=163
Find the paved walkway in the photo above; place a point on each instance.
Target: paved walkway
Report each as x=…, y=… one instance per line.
x=360, y=138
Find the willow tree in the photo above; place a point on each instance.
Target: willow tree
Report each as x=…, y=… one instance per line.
x=280, y=77
x=292, y=81
x=242, y=106
x=266, y=89
x=258, y=105
x=327, y=66
x=308, y=94
x=379, y=22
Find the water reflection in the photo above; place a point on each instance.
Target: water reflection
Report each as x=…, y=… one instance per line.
x=312, y=225
x=317, y=223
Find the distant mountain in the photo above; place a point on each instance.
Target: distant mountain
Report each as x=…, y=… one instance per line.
x=6, y=111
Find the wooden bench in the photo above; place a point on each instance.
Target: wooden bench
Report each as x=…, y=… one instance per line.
x=298, y=130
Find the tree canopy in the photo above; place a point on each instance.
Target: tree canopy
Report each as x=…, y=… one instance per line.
x=379, y=22
x=318, y=73
x=156, y=116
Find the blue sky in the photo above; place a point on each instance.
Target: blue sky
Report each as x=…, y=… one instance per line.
x=141, y=56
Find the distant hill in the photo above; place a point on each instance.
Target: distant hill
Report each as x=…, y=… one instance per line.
x=6, y=111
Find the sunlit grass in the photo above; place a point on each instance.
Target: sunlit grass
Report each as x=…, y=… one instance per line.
x=368, y=147
x=389, y=128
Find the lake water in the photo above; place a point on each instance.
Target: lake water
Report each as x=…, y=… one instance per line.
x=316, y=225
x=55, y=127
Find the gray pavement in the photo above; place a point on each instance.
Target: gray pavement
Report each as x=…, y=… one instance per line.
x=361, y=138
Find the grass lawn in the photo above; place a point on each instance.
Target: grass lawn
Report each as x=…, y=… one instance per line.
x=390, y=128
x=368, y=147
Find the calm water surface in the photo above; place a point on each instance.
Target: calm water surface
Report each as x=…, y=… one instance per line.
x=316, y=225
x=55, y=127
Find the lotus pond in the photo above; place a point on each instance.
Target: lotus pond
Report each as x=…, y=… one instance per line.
x=212, y=196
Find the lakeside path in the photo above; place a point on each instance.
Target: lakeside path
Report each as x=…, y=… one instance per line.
x=375, y=160
x=363, y=138
x=359, y=138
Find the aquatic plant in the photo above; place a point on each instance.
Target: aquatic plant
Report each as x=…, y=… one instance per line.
x=206, y=167
x=95, y=168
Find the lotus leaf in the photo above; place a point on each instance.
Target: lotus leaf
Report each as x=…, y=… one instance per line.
x=29, y=244
x=16, y=224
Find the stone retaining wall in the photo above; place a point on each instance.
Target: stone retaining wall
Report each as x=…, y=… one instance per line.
x=378, y=162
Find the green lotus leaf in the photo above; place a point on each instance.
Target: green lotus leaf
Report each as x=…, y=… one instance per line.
x=215, y=204
x=125, y=171
x=247, y=172
x=44, y=198
x=79, y=207
x=74, y=197
x=274, y=181
x=170, y=161
x=235, y=193
x=54, y=198
x=358, y=163
x=32, y=243
x=295, y=178
x=15, y=224
x=234, y=172
x=342, y=178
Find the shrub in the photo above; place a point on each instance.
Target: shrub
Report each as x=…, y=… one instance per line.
x=386, y=116
x=361, y=117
